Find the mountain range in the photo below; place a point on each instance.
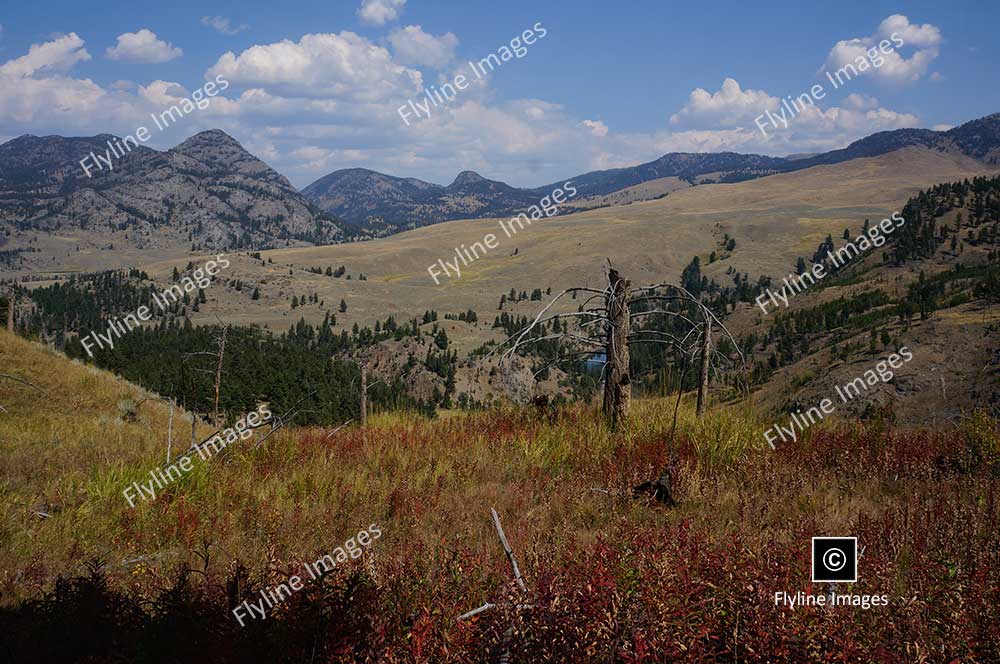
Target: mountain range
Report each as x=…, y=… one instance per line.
x=377, y=200
x=210, y=193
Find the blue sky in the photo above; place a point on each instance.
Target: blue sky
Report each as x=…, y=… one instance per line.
x=316, y=86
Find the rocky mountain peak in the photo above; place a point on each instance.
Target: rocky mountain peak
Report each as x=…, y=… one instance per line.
x=220, y=154
x=466, y=178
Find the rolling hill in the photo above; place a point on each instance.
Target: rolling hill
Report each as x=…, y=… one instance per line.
x=773, y=220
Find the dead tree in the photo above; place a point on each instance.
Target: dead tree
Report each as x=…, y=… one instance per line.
x=364, y=395
x=11, y=301
x=218, y=372
x=613, y=324
x=170, y=429
x=706, y=347
x=617, y=384
x=364, y=386
x=610, y=327
x=219, y=355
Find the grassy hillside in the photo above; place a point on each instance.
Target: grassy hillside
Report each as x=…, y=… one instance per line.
x=609, y=577
x=773, y=219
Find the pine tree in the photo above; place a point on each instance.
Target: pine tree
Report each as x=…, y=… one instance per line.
x=441, y=340
x=691, y=276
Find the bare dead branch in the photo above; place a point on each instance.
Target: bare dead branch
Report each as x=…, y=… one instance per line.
x=679, y=342
x=508, y=551
x=659, y=298
x=519, y=337
x=199, y=352
x=561, y=335
x=25, y=382
x=541, y=314
x=668, y=313
x=565, y=358
x=469, y=614
x=338, y=429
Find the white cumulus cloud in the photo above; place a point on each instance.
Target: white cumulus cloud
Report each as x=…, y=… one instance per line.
x=58, y=55
x=142, y=47
x=412, y=46
x=894, y=67
x=730, y=105
x=725, y=120
x=342, y=66
x=380, y=12
x=918, y=36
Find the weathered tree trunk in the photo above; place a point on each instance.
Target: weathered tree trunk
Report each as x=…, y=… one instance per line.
x=170, y=430
x=364, y=395
x=11, y=299
x=617, y=382
x=218, y=374
x=706, y=348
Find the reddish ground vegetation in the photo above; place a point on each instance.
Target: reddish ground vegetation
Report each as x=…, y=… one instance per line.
x=637, y=584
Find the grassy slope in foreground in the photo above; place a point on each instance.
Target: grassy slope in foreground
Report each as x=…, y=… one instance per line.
x=610, y=577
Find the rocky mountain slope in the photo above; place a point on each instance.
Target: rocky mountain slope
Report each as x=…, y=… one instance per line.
x=383, y=203
x=207, y=192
